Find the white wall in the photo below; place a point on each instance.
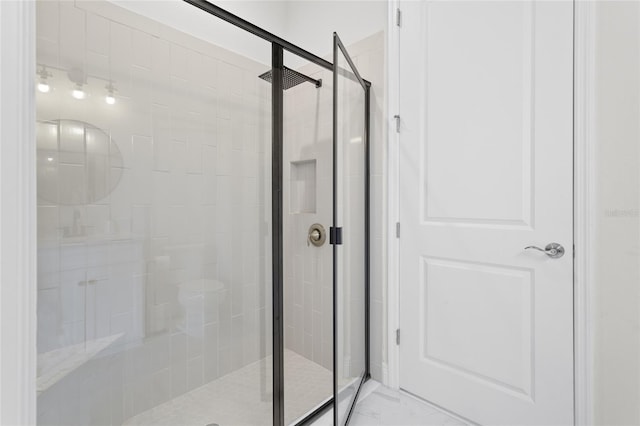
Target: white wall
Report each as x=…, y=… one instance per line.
x=306, y=23
x=617, y=240
x=311, y=23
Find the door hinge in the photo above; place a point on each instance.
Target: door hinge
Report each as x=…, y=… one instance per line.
x=398, y=18
x=335, y=236
x=397, y=229
x=397, y=118
x=398, y=337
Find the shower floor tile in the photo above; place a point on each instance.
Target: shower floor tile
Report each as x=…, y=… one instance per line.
x=244, y=397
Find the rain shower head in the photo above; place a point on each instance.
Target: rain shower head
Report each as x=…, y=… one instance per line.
x=290, y=78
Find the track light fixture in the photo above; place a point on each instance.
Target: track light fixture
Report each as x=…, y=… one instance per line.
x=78, y=92
x=110, y=98
x=43, y=85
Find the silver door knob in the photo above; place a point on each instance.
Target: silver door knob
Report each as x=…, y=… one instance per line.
x=317, y=236
x=553, y=250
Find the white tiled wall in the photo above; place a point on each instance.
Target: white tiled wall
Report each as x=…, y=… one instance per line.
x=308, y=290
x=154, y=274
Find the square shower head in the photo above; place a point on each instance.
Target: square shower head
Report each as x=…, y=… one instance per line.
x=290, y=78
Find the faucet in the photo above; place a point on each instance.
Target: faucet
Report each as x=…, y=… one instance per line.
x=77, y=229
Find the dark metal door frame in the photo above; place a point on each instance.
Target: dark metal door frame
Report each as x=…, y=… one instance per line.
x=278, y=46
x=277, y=105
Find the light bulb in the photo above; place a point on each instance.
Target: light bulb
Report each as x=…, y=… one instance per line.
x=79, y=94
x=50, y=159
x=110, y=99
x=43, y=87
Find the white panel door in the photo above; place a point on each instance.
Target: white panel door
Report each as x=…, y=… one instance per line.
x=486, y=170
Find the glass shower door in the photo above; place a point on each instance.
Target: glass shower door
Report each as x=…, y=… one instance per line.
x=350, y=233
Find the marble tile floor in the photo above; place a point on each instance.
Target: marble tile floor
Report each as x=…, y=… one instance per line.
x=244, y=397
x=381, y=406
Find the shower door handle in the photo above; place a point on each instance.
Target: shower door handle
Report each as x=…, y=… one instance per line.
x=553, y=250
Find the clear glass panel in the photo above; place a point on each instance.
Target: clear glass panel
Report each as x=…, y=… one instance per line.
x=308, y=201
x=350, y=172
x=154, y=221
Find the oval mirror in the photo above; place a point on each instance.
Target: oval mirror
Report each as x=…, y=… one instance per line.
x=77, y=163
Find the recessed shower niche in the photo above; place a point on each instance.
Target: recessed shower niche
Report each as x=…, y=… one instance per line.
x=303, y=186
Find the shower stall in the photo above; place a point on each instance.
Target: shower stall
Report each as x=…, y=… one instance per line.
x=203, y=222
